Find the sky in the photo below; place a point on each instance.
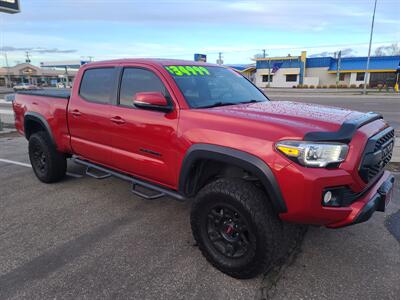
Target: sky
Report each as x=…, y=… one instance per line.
x=58, y=30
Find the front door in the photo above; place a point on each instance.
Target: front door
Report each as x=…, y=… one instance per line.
x=144, y=140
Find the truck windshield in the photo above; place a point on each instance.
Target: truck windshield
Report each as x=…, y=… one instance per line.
x=209, y=86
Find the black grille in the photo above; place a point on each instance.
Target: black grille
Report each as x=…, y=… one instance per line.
x=382, y=140
x=377, y=154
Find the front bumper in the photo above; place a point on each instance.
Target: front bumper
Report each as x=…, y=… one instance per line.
x=303, y=197
x=375, y=200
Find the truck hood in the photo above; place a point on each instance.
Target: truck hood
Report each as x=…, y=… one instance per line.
x=299, y=118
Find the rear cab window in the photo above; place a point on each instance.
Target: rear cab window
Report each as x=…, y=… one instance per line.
x=97, y=85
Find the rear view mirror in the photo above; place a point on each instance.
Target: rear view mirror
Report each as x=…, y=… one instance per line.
x=151, y=101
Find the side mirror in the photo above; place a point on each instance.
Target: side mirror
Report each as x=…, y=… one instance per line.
x=151, y=101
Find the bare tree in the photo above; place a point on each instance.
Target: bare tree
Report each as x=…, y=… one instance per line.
x=393, y=49
x=258, y=55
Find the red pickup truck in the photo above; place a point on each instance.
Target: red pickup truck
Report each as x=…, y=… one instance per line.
x=194, y=130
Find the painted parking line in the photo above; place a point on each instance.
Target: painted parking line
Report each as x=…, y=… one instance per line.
x=29, y=166
x=15, y=163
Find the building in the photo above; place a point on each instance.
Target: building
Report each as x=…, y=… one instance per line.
x=28, y=73
x=247, y=70
x=48, y=74
x=291, y=71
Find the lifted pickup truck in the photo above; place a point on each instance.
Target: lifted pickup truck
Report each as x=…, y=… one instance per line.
x=195, y=130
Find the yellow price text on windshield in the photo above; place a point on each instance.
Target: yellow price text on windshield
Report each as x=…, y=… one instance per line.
x=188, y=70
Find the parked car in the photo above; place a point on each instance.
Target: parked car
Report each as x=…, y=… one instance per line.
x=24, y=87
x=9, y=97
x=63, y=85
x=191, y=130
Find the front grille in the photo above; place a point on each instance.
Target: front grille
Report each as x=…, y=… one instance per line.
x=382, y=140
x=377, y=154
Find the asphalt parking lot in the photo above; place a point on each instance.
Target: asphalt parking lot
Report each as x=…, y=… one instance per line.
x=83, y=238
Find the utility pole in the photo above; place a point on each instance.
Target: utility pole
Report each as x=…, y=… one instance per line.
x=219, y=60
x=8, y=71
x=66, y=77
x=339, y=60
x=366, y=76
x=28, y=59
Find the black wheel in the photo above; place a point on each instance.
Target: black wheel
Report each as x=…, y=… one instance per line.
x=48, y=164
x=235, y=227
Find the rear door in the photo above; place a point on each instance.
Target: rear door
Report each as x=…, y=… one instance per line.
x=145, y=141
x=89, y=114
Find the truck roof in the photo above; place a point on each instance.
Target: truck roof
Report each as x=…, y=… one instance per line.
x=152, y=61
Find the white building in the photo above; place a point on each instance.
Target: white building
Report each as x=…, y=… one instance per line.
x=291, y=71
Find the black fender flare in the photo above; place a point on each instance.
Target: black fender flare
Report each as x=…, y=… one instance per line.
x=38, y=118
x=237, y=158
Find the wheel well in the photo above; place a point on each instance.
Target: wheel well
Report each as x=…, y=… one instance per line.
x=204, y=171
x=204, y=162
x=32, y=126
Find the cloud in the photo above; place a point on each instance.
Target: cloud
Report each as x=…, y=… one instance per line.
x=37, y=50
x=295, y=15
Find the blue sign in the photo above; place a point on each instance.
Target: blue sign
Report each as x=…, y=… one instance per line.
x=9, y=6
x=200, y=57
x=398, y=68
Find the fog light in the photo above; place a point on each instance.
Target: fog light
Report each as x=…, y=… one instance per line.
x=327, y=197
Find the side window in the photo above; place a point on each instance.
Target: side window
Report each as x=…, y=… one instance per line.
x=97, y=85
x=291, y=78
x=136, y=80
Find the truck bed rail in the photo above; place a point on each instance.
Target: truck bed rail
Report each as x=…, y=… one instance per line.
x=54, y=93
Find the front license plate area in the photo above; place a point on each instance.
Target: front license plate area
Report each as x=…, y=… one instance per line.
x=386, y=193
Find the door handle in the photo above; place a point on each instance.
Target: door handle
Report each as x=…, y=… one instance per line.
x=76, y=113
x=117, y=120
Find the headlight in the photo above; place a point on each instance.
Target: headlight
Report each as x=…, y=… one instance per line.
x=312, y=154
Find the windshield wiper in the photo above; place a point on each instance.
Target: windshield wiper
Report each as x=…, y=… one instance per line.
x=218, y=104
x=249, y=101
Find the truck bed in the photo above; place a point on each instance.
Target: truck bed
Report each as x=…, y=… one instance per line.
x=49, y=108
x=54, y=93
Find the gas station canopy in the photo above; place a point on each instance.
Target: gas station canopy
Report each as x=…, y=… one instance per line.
x=71, y=64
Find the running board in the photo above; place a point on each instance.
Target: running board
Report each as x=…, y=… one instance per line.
x=160, y=191
x=89, y=172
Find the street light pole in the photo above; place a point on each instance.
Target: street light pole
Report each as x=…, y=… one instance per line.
x=366, y=77
x=269, y=68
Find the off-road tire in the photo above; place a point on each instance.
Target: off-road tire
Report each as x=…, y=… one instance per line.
x=52, y=165
x=254, y=207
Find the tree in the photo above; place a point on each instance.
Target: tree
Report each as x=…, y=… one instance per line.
x=258, y=55
x=393, y=49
